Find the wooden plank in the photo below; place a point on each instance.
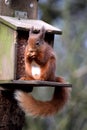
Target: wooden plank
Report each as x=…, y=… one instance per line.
x=7, y=51
x=26, y=24
x=28, y=85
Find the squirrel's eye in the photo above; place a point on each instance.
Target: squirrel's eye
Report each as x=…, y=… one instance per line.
x=37, y=43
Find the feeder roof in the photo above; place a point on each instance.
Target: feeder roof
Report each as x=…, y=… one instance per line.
x=26, y=24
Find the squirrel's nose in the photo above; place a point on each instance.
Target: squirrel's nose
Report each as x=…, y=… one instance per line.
x=32, y=52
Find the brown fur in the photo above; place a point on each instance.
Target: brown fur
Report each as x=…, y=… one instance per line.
x=41, y=53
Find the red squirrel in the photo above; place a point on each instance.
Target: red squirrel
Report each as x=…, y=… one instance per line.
x=40, y=64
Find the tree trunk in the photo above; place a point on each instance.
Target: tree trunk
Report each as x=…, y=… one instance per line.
x=11, y=117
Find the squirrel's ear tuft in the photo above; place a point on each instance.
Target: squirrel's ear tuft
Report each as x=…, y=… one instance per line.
x=31, y=30
x=42, y=32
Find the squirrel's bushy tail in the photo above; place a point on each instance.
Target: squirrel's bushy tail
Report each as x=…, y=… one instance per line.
x=35, y=107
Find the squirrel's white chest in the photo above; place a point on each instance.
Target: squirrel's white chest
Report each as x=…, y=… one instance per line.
x=35, y=70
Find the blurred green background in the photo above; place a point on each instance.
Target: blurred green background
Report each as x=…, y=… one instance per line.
x=71, y=50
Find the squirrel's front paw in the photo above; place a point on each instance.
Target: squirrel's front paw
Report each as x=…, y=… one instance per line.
x=22, y=78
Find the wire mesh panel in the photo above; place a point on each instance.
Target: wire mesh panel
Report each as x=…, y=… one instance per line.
x=20, y=49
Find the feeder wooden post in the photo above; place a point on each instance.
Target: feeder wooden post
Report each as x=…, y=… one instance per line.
x=11, y=117
x=25, y=8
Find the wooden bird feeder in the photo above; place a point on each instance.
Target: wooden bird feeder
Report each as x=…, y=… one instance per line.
x=16, y=19
x=14, y=33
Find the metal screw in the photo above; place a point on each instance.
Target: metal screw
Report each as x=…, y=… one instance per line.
x=31, y=5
